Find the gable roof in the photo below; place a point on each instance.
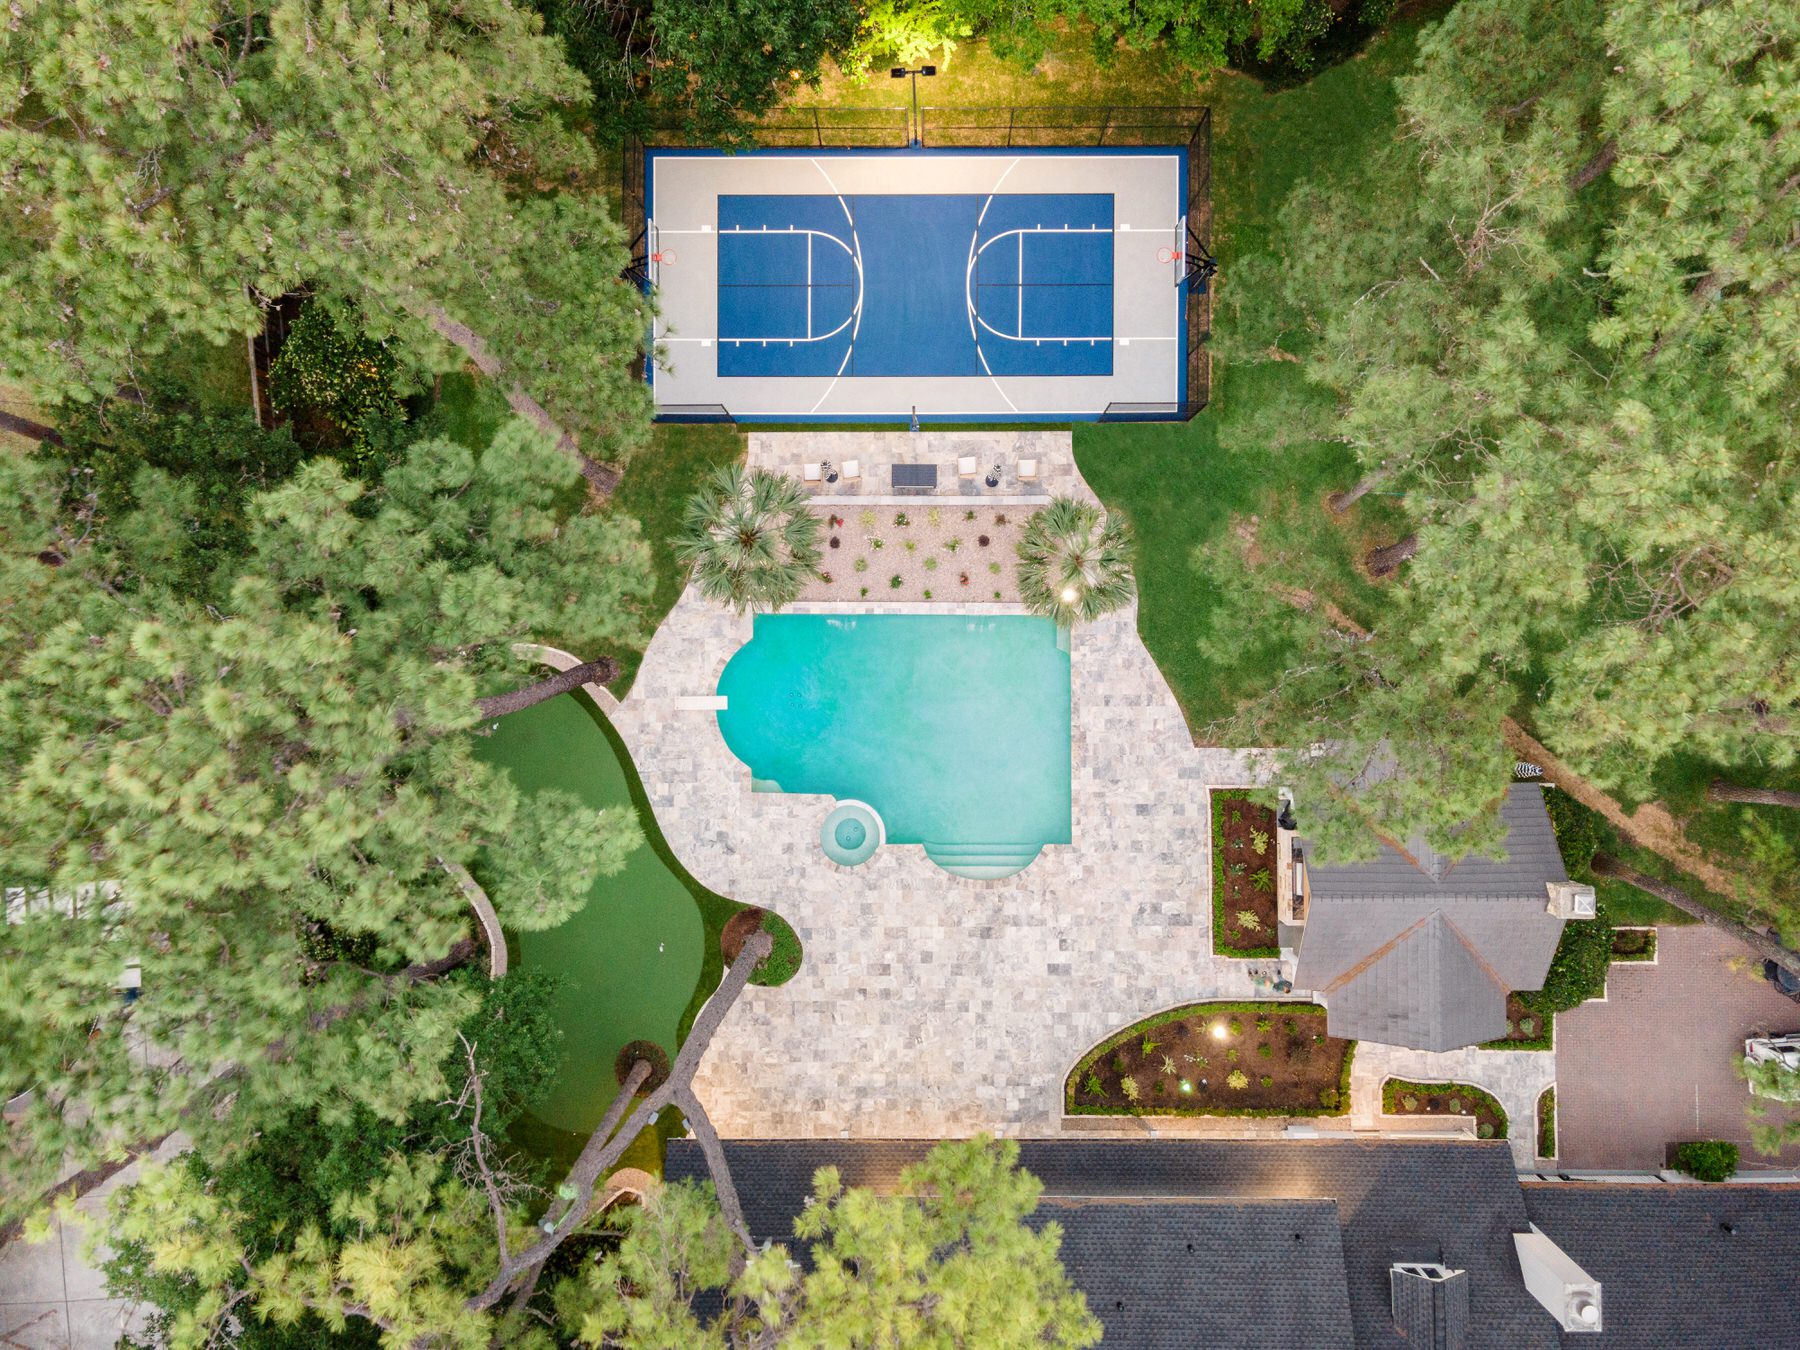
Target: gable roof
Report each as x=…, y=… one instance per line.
x=1413, y=949
x=1680, y=1265
x=1455, y=1203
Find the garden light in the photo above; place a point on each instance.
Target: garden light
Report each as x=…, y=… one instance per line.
x=1186, y=1086
x=1069, y=594
x=1218, y=1031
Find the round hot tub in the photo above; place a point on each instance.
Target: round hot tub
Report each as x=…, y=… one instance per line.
x=852, y=833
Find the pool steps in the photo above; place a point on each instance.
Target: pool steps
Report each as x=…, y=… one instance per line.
x=982, y=862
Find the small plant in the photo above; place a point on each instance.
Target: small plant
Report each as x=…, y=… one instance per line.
x=900, y=519
x=951, y=545
x=1264, y=1023
x=934, y=516
x=1000, y=518
x=1237, y=1026
x=1128, y=1085
x=1237, y=1080
x=866, y=518
x=1160, y=1088
x=1456, y=1106
x=1410, y=1102
x=1119, y=1062
x=1259, y=840
x=1247, y=919
x=837, y=522
x=1318, y=1038
x=894, y=582
x=1266, y=1081
x=930, y=563
x=1266, y=1050
x=1092, y=1085
x=1231, y=1055
x=1288, y=1022
x=835, y=541
x=963, y=578
x=982, y=539
x=825, y=577
x=1706, y=1159
x=1168, y=1065
x=910, y=545
x=865, y=592
x=1237, y=816
x=1199, y=1060
x=877, y=542
x=860, y=565
x=994, y=568
x=1261, y=879
x=1328, y=1098
x=1238, y=869
x=1484, y=1130
x=997, y=595
x=968, y=515
x=928, y=595
x=1149, y=1045
x=1528, y=1026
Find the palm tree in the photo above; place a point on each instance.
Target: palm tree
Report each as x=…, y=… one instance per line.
x=750, y=539
x=1075, y=562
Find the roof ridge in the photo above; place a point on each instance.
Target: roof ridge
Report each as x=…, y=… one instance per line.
x=1352, y=972
x=1475, y=952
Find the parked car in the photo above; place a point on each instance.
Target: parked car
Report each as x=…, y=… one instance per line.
x=1782, y=1050
x=1784, y=980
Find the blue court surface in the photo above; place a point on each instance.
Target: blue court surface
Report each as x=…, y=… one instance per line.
x=953, y=284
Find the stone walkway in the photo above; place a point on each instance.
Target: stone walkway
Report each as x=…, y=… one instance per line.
x=1515, y=1077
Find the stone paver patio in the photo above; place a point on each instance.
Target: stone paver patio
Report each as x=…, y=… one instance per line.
x=929, y=1005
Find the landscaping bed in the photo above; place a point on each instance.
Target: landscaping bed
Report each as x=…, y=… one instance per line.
x=905, y=554
x=1217, y=1059
x=1529, y=1027
x=1401, y=1098
x=1634, y=944
x=1243, y=851
x=1546, y=1114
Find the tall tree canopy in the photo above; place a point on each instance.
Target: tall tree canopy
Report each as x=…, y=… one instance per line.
x=250, y=773
x=1560, y=317
x=165, y=165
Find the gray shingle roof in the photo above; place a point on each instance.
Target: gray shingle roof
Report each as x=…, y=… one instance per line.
x=1455, y=1203
x=1411, y=949
x=1431, y=1313
x=1670, y=1274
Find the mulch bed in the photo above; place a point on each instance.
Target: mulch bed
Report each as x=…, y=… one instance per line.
x=738, y=929
x=1634, y=944
x=1401, y=1098
x=1183, y=1062
x=631, y=1052
x=1529, y=1029
x=1244, y=913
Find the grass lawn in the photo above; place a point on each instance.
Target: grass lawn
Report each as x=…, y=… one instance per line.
x=216, y=378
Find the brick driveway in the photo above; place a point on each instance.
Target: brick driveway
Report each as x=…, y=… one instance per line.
x=1653, y=1063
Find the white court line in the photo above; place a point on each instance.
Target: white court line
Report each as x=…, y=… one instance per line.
x=969, y=279
x=855, y=309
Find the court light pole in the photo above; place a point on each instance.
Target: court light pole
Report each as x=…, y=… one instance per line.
x=900, y=73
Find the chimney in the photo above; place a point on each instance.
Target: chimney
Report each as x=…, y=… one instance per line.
x=1430, y=1303
x=1569, y=900
x=1568, y=1293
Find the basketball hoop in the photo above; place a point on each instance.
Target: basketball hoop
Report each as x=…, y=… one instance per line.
x=667, y=255
x=1168, y=255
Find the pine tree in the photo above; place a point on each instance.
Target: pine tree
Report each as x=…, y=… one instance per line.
x=171, y=166
x=257, y=787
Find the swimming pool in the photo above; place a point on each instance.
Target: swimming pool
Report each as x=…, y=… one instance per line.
x=954, y=728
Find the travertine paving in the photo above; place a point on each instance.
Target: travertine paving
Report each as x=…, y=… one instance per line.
x=1515, y=1077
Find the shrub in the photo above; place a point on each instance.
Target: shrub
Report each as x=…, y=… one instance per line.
x=1528, y=1026
x=1237, y=1079
x=1246, y=919
x=1578, y=970
x=327, y=367
x=982, y=539
x=1328, y=1098
x=1148, y=1045
x=865, y=592
x=1261, y=879
x=860, y=565
x=1092, y=1085
x=1579, y=831
x=866, y=518
x=877, y=543
x=1706, y=1159
x=901, y=520
x=1128, y=1085
x=1231, y=1055
x=1410, y=1102
x=910, y=545
x=951, y=545
x=894, y=582
x=1484, y=1130
x=1264, y=1023
x=928, y=595
x=1237, y=1027
x=1266, y=1081
x=1259, y=840
x=968, y=515
x=835, y=541
x=930, y=563
x=1266, y=1050
x=933, y=516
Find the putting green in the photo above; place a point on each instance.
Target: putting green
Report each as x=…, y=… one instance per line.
x=632, y=956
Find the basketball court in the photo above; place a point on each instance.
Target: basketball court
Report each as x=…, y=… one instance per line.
x=867, y=285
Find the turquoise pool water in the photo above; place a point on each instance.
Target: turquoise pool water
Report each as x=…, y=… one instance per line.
x=955, y=729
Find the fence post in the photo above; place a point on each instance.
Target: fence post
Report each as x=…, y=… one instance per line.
x=1105, y=122
x=1012, y=115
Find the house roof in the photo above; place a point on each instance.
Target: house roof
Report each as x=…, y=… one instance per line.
x=1413, y=949
x=1680, y=1265
x=1455, y=1203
